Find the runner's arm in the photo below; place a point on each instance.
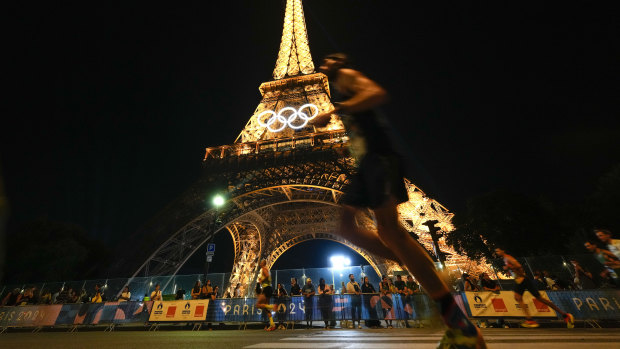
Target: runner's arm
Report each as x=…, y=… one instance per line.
x=367, y=94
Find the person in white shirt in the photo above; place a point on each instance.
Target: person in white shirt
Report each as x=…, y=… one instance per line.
x=125, y=295
x=613, y=245
x=353, y=288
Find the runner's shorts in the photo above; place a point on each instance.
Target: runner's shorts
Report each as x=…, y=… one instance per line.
x=267, y=291
x=526, y=284
x=378, y=177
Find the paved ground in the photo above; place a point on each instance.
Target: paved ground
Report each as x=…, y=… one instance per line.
x=383, y=338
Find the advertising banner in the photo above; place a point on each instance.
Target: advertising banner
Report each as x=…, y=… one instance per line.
x=503, y=304
x=189, y=310
x=603, y=304
x=103, y=313
x=29, y=315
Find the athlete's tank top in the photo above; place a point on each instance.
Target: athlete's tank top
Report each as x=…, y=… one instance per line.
x=368, y=130
x=266, y=281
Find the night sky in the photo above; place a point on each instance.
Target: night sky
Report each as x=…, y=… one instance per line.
x=114, y=104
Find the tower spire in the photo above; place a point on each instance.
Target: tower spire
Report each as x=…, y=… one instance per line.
x=294, y=57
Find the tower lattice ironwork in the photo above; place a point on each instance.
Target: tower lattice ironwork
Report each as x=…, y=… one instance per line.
x=283, y=179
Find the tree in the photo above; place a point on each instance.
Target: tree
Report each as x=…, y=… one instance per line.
x=603, y=205
x=521, y=225
x=43, y=250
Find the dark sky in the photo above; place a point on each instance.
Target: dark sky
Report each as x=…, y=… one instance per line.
x=114, y=104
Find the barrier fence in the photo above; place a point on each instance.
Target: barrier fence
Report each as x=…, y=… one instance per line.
x=559, y=268
x=584, y=305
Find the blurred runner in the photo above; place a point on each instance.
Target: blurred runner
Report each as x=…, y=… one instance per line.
x=379, y=185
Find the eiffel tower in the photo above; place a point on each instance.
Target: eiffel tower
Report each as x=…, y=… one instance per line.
x=282, y=179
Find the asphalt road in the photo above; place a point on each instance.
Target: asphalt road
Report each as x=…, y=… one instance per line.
x=366, y=338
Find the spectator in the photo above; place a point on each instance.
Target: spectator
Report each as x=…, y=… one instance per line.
x=295, y=289
x=400, y=284
x=539, y=282
x=583, y=279
x=461, y=283
x=368, y=288
x=11, y=298
x=63, y=295
x=281, y=296
x=609, y=261
x=156, y=294
x=206, y=290
x=84, y=296
x=487, y=284
x=46, y=298
x=468, y=285
x=73, y=298
x=325, y=302
x=211, y=307
x=548, y=280
x=559, y=283
x=196, y=290
x=26, y=297
x=55, y=295
x=237, y=292
x=411, y=286
x=36, y=293
x=386, y=300
x=612, y=245
x=125, y=295
x=354, y=290
x=97, y=296
x=308, y=292
x=69, y=296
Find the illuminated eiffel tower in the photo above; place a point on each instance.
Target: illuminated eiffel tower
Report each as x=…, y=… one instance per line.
x=282, y=179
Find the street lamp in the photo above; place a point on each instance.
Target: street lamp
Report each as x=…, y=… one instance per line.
x=218, y=201
x=339, y=262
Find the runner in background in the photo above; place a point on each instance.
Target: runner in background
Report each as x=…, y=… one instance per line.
x=524, y=283
x=264, y=279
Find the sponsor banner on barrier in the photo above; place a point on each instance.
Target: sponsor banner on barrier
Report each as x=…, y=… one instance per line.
x=189, y=310
x=504, y=304
x=103, y=313
x=29, y=315
x=603, y=304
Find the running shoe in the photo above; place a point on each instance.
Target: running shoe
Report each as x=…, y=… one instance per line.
x=272, y=328
x=456, y=339
x=570, y=320
x=529, y=324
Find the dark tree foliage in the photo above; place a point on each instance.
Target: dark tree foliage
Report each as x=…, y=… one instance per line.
x=527, y=226
x=43, y=250
x=603, y=207
x=521, y=225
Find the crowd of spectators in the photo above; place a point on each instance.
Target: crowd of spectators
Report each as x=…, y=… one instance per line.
x=65, y=295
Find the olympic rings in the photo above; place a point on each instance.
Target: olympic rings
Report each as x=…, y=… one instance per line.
x=296, y=120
